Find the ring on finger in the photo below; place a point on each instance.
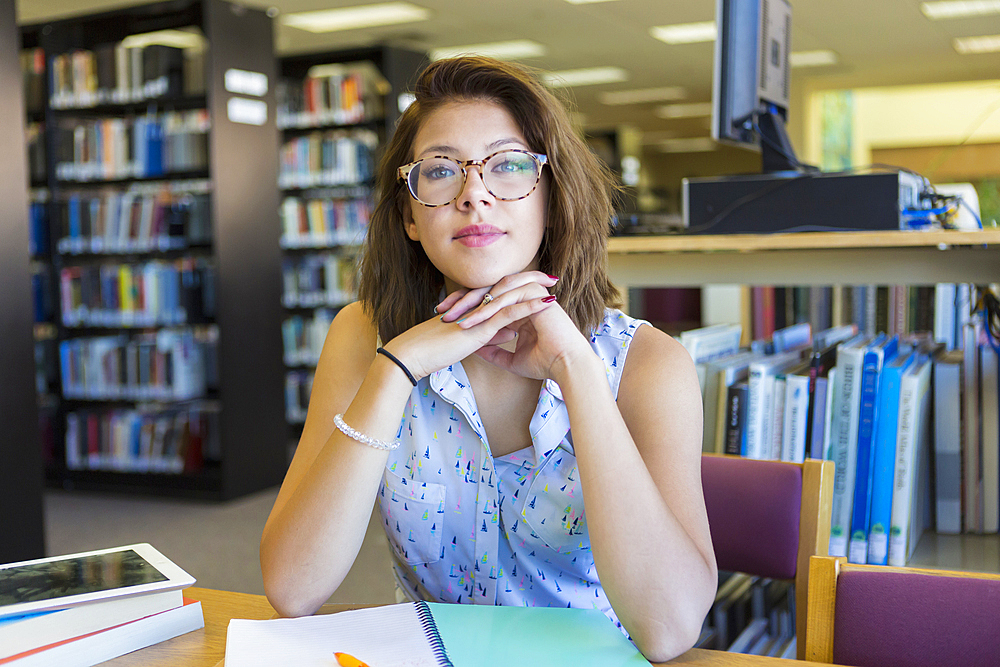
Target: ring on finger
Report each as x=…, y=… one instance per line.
x=487, y=299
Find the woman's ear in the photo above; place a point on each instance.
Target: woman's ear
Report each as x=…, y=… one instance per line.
x=409, y=225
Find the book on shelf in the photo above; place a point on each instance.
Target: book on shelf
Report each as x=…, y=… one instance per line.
x=990, y=421
x=911, y=497
x=795, y=415
x=720, y=374
x=972, y=473
x=843, y=439
x=884, y=348
x=434, y=634
x=949, y=431
x=760, y=411
x=884, y=461
x=737, y=397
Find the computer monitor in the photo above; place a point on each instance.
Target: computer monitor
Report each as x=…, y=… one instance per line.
x=751, y=79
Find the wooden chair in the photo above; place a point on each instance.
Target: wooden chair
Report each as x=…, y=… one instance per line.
x=767, y=518
x=872, y=615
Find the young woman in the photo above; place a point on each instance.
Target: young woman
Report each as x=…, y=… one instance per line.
x=526, y=443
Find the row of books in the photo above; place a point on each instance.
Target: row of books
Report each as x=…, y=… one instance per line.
x=43, y=301
x=153, y=440
x=324, y=279
x=340, y=97
x=38, y=228
x=894, y=309
x=117, y=73
x=298, y=389
x=34, y=143
x=168, y=365
x=146, y=217
x=303, y=337
x=335, y=157
x=751, y=615
x=82, y=609
x=153, y=293
x=146, y=146
x=322, y=222
x=33, y=79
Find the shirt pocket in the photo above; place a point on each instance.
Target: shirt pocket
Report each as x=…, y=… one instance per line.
x=553, y=507
x=413, y=515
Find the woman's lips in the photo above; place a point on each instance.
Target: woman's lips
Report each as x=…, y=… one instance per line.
x=477, y=236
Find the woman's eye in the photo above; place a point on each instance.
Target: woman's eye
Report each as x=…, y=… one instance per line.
x=512, y=166
x=438, y=171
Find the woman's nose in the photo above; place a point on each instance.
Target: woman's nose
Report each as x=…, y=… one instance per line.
x=474, y=189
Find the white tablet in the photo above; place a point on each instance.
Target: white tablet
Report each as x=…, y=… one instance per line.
x=59, y=582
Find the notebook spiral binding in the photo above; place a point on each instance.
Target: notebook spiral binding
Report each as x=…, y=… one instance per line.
x=431, y=631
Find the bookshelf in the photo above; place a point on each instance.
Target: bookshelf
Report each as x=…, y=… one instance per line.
x=837, y=258
x=162, y=222
x=819, y=258
x=21, y=470
x=335, y=112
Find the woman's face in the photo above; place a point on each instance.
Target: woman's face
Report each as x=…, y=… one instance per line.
x=477, y=239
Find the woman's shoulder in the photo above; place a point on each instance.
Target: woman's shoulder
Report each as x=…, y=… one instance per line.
x=353, y=328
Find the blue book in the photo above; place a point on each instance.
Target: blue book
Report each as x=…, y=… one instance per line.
x=875, y=355
x=74, y=216
x=884, y=467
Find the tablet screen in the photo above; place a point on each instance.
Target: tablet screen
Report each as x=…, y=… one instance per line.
x=74, y=576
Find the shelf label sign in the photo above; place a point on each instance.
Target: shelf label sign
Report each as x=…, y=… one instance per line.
x=249, y=112
x=242, y=82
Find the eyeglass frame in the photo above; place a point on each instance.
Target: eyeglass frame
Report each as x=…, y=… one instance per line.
x=404, y=173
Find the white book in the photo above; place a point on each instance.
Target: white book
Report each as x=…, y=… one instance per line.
x=844, y=439
x=944, y=314
x=793, y=446
x=972, y=472
x=914, y=422
x=714, y=342
x=948, y=442
x=988, y=410
x=760, y=382
x=92, y=649
x=777, y=416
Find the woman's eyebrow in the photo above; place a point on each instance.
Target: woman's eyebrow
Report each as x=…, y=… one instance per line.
x=446, y=149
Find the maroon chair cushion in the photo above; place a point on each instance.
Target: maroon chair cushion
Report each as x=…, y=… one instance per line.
x=753, y=513
x=891, y=619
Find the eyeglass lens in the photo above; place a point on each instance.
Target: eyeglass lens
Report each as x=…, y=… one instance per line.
x=507, y=175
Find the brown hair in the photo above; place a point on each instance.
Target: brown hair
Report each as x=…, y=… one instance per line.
x=399, y=286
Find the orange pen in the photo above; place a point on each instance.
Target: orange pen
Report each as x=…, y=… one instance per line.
x=348, y=660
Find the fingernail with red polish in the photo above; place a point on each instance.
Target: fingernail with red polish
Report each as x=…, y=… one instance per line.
x=552, y=276
x=549, y=299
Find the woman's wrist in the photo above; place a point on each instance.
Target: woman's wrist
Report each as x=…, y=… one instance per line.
x=579, y=364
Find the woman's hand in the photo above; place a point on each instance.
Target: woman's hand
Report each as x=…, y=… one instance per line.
x=440, y=341
x=545, y=339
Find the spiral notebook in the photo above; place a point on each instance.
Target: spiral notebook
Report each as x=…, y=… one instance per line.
x=422, y=634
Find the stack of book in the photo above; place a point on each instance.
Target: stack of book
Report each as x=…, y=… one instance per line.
x=82, y=609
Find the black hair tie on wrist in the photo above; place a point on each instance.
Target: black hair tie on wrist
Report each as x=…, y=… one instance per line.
x=399, y=363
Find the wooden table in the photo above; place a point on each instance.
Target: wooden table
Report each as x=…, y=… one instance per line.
x=207, y=647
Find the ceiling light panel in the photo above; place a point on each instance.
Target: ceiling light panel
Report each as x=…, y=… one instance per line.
x=685, y=33
x=812, y=58
x=584, y=77
x=685, y=110
x=956, y=9
x=642, y=95
x=351, y=18
x=521, y=48
x=981, y=44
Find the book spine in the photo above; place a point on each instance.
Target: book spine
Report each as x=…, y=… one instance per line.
x=738, y=395
x=867, y=416
x=818, y=407
x=989, y=406
x=755, y=413
x=912, y=387
x=973, y=474
x=843, y=445
x=796, y=409
x=884, y=466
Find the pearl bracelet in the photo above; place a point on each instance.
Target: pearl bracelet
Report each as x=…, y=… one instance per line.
x=361, y=437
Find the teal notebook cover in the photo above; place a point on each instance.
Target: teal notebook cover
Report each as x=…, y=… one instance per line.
x=485, y=635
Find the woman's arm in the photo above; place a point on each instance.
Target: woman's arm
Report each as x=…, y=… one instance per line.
x=640, y=470
x=318, y=522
